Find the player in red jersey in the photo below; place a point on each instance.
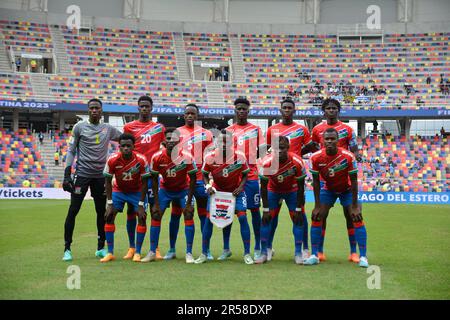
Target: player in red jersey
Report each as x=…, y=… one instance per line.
x=178, y=170
x=346, y=140
x=337, y=168
x=148, y=135
x=282, y=177
x=195, y=140
x=300, y=143
x=131, y=172
x=248, y=140
x=228, y=169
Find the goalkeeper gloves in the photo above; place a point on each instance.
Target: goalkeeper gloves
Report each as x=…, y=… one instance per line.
x=68, y=182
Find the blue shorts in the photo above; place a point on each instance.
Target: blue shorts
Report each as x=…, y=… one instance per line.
x=251, y=190
x=276, y=199
x=241, y=203
x=166, y=197
x=329, y=197
x=131, y=198
x=200, y=191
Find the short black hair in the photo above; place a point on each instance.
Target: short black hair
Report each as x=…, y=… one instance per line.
x=242, y=100
x=95, y=100
x=287, y=99
x=170, y=130
x=145, y=98
x=127, y=136
x=331, y=130
x=193, y=105
x=329, y=101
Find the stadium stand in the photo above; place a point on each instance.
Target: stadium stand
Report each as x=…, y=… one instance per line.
x=20, y=160
x=113, y=64
x=395, y=164
x=390, y=163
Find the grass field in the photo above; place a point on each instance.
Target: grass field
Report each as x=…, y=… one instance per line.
x=410, y=244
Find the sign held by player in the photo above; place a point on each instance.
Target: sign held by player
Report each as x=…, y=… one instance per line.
x=222, y=208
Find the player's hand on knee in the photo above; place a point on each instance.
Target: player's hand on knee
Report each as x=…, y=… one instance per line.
x=188, y=212
x=266, y=218
x=237, y=191
x=142, y=215
x=315, y=216
x=156, y=213
x=298, y=217
x=356, y=213
x=109, y=211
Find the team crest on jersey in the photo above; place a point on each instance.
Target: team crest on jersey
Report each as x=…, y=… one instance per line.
x=296, y=133
x=342, y=165
x=250, y=134
x=343, y=133
x=154, y=130
x=233, y=167
x=134, y=169
x=198, y=138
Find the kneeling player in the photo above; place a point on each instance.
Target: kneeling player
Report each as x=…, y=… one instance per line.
x=282, y=177
x=229, y=170
x=338, y=169
x=176, y=167
x=131, y=172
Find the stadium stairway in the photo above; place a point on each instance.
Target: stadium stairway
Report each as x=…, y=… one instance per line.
x=5, y=65
x=180, y=56
x=60, y=51
x=39, y=84
x=237, y=58
x=214, y=91
x=47, y=150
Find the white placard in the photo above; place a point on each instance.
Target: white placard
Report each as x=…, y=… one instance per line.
x=221, y=208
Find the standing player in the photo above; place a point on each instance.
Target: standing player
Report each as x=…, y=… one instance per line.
x=300, y=143
x=195, y=140
x=176, y=167
x=90, y=140
x=338, y=169
x=282, y=177
x=130, y=170
x=148, y=136
x=248, y=139
x=346, y=140
x=228, y=169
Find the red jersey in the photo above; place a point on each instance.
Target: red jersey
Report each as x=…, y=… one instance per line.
x=175, y=174
x=284, y=179
x=334, y=170
x=195, y=140
x=247, y=139
x=227, y=175
x=148, y=135
x=297, y=134
x=128, y=173
x=346, y=139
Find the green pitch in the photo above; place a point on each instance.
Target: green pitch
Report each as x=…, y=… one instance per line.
x=409, y=243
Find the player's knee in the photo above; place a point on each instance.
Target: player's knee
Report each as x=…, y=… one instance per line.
x=142, y=222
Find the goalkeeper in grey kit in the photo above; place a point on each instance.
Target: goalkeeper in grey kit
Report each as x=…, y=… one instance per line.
x=89, y=142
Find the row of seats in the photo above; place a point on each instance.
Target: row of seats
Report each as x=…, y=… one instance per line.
x=389, y=163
